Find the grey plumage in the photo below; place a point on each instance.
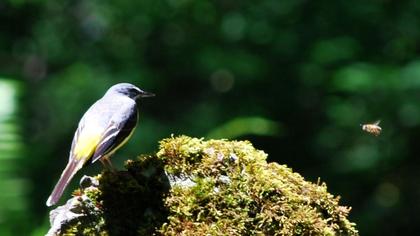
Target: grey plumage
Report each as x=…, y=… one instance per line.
x=104, y=128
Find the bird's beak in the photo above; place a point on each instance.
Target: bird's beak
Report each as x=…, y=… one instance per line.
x=144, y=94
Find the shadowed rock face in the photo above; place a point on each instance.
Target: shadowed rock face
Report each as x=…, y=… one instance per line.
x=196, y=187
x=129, y=202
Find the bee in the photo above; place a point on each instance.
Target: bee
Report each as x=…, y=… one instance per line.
x=372, y=128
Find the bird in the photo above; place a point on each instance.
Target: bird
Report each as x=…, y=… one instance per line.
x=106, y=126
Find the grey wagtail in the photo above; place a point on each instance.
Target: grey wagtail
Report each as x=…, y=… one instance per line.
x=103, y=129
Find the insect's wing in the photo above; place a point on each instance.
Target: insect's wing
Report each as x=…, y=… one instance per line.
x=377, y=122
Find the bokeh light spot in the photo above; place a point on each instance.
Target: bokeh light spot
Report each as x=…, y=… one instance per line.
x=222, y=80
x=387, y=194
x=233, y=26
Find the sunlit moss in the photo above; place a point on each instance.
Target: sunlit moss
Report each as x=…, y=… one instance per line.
x=237, y=192
x=231, y=190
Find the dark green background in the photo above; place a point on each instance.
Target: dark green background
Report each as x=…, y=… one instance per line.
x=294, y=77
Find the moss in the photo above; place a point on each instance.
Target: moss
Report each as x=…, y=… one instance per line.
x=132, y=200
x=126, y=202
x=215, y=187
x=237, y=192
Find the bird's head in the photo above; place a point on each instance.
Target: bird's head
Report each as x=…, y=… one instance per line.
x=130, y=91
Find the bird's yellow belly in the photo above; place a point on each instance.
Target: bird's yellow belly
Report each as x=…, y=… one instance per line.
x=86, y=145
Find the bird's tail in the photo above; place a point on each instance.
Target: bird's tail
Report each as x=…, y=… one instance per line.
x=68, y=173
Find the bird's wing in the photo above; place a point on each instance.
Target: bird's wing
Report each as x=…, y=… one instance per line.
x=85, y=140
x=118, y=132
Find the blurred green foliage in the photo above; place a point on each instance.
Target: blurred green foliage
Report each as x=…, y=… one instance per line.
x=309, y=72
x=14, y=197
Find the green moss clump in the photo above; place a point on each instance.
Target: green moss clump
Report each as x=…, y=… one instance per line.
x=197, y=187
x=236, y=192
x=126, y=202
x=132, y=200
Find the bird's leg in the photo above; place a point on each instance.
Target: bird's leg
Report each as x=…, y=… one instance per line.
x=107, y=163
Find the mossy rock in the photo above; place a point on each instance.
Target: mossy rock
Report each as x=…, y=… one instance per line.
x=197, y=187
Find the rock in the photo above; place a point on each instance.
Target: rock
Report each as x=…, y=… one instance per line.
x=197, y=187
